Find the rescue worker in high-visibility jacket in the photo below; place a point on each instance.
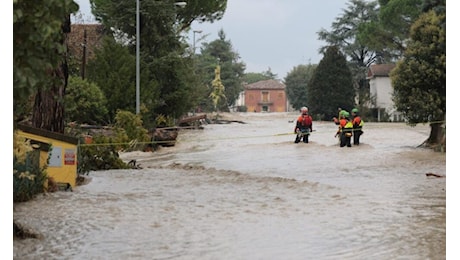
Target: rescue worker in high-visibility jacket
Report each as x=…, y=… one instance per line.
x=357, y=126
x=345, y=131
x=303, y=127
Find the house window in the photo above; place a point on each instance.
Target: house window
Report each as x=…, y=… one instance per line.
x=265, y=108
x=265, y=96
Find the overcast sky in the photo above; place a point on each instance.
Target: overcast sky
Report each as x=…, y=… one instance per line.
x=275, y=34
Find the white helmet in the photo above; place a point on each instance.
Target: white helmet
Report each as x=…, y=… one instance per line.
x=304, y=109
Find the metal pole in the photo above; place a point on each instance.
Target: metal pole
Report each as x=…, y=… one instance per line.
x=194, y=42
x=198, y=31
x=137, y=59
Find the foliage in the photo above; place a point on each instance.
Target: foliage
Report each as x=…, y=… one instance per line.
x=168, y=76
x=221, y=52
x=388, y=34
x=177, y=83
x=242, y=109
x=101, y=154
x=331, y=86
x=269, y=74
x=218, y=89
x=201, y=11
x=296, y=85
x=345, y=30
x=38, y=46
x=28, y=177
x=114, y=75
x=132, y=125
x=44, y=50
x=350, y=33
x=253, y=77
x=84, y=102
x=419, y=80
x=164, y=121
x=120, y=15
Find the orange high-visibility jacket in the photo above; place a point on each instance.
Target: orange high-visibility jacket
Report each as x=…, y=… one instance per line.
x=304, y=121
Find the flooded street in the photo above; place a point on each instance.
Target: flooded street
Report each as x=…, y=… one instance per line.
x=247, y=191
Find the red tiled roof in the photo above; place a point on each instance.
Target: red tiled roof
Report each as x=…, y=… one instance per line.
x=266, y=84
x=380, y=70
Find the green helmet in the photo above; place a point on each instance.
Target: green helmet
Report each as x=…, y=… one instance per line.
x=355, y=110
x=346, y=114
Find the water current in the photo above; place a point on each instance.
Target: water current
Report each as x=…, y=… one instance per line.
x=247, y=191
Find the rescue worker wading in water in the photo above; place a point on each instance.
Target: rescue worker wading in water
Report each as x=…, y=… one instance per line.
x=345, y=131
x=304, y=126
x=357, y=126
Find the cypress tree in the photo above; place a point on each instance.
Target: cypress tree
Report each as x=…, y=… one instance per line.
x=331, y=86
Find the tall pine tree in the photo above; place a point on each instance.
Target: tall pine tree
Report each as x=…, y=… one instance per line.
x=331, y=86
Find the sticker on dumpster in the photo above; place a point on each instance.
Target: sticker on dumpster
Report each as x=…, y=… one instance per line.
x=69, y=157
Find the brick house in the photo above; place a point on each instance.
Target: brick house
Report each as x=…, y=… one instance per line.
x=265, y=96
x=382, y=91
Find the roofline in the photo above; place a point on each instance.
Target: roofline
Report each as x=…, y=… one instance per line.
x=45, y=133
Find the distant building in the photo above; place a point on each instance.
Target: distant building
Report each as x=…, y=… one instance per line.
x=82, y=42
x=265, y=96
x=382, y=91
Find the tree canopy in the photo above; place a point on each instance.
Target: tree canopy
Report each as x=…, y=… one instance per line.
x=345, y=30
x=419, y=79
x=38, y=46
x=388, y=34
x=169, y=78
x=331, y=86
x=114, y=75
x=221, y=52
x=296, y=83
x=252, y=77
x=84, y=103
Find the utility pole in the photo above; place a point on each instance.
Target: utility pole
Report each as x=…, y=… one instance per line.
x=83, y=63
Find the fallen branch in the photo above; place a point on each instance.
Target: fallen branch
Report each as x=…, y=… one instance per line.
x=434, y=175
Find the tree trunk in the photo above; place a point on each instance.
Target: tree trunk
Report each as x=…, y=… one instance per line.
x=437, y=138
x=48, y=111
x=437, y=134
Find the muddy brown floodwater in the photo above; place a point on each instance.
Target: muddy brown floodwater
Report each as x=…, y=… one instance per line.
x=246, y=191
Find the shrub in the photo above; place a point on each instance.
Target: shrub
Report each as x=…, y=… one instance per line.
x=101, y=154
x=28, y=177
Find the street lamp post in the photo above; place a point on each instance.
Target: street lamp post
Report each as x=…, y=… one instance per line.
x=138, y=38
x=198, y=31
x=138, y=79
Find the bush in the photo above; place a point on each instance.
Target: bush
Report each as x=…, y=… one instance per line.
x=242, y=109
x=84, y=102
x=132, y=125
x=101, y=154
x=28, y=178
